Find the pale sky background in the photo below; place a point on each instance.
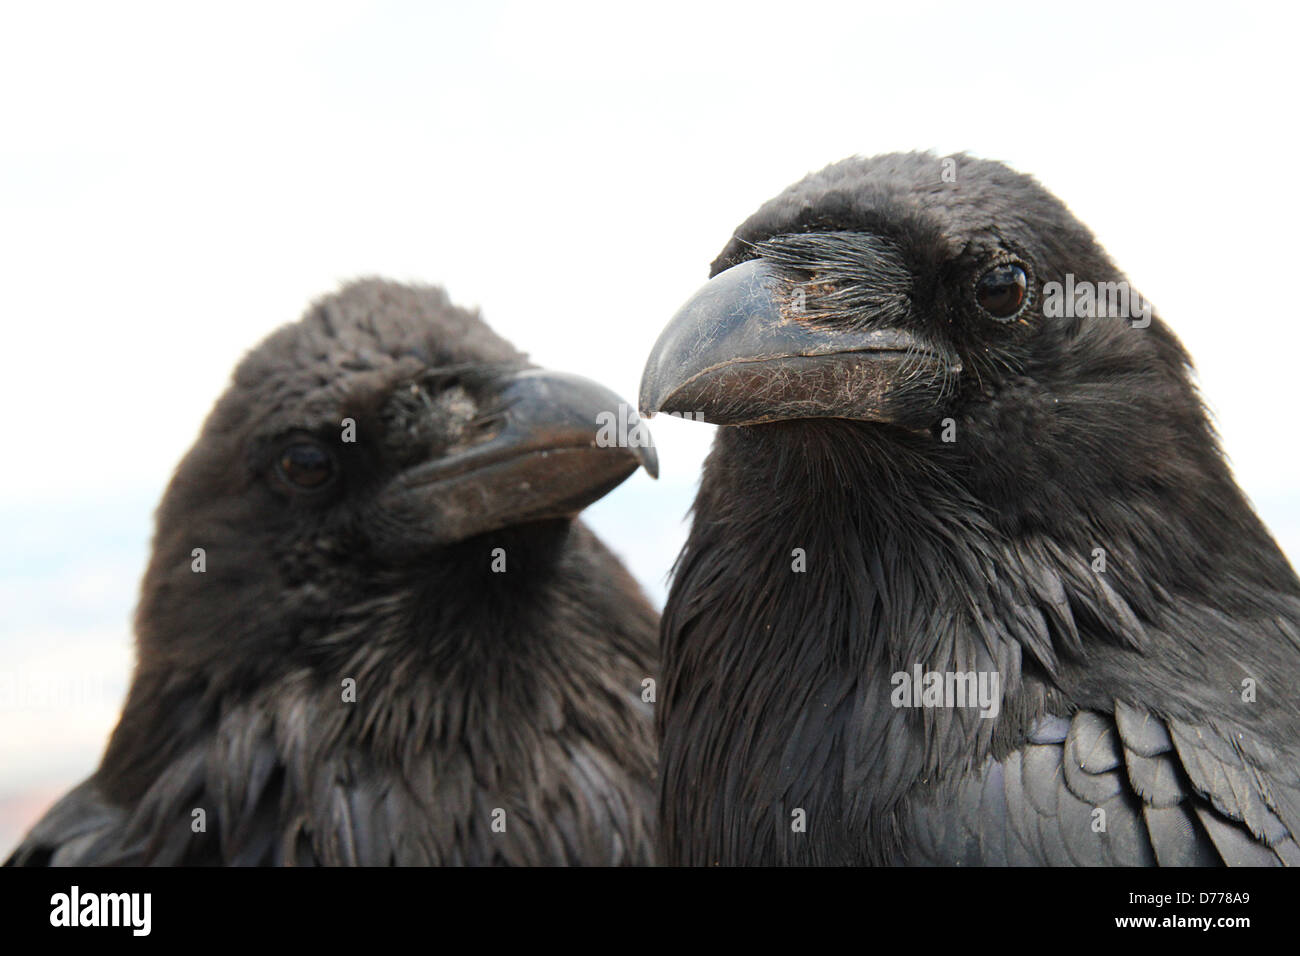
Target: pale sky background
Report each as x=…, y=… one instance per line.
x=176, y=181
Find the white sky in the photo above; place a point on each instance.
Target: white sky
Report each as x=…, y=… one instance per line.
x=177, y=181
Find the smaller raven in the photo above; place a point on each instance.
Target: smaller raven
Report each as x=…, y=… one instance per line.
x=372, y=631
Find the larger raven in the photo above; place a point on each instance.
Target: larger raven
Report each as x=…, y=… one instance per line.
x=371, y=631
x=960, y=455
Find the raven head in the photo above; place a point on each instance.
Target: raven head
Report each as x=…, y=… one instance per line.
x=968, y=317
x=350, y=474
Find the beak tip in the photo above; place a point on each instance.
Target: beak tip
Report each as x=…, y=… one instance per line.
x=653, y=398
x=646, y=404
x=648, y=457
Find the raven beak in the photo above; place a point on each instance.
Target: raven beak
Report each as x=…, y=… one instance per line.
x=562, y=442
x=739, y=352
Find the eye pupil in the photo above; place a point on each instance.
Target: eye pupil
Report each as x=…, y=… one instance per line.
x=306, y=465
x=1002, y=290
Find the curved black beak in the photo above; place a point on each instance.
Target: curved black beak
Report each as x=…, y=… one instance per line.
x=741, y=352
x=562, y=442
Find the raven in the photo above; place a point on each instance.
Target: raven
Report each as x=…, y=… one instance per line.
x=371, y=631
x=968, y=580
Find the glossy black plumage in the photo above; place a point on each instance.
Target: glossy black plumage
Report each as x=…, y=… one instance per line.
x=497, y=717
x=1159, y=690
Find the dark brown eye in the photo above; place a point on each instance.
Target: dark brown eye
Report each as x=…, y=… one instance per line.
x=1002, y=290
x=306, y=465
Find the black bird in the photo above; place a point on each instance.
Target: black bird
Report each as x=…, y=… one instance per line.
x=371, y=630
x=938, y=456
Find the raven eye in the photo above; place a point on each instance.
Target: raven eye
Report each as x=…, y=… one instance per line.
x=1001, y=291
x=306, y=465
